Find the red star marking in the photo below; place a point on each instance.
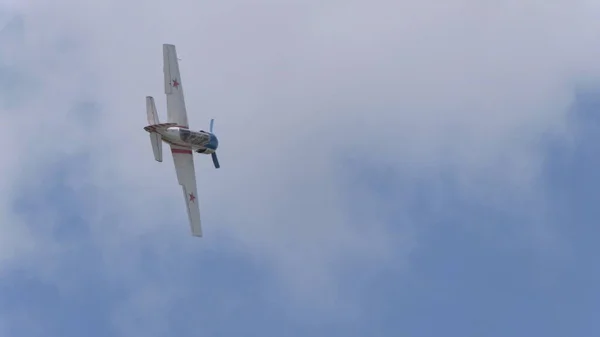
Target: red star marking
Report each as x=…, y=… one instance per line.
x=175, y=83
x=192, y=197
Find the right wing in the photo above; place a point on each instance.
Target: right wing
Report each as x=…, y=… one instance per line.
x=184, y=166
x=176, y=111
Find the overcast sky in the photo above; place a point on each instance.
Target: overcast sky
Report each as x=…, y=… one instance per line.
x=388, y=168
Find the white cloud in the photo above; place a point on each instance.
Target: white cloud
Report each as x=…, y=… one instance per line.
x=467, y=86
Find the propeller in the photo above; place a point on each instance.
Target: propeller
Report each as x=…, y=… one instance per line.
x=214, y=154
x=215, y=160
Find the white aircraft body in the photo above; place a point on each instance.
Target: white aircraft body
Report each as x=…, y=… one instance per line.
x=183, y=141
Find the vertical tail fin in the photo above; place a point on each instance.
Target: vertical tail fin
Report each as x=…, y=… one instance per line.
x=155, y=138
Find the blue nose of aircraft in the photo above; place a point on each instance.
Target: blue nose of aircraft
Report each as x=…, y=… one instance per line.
x=213, y=142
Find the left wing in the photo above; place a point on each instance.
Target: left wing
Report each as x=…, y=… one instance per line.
x=176, y=112
x=184, y=166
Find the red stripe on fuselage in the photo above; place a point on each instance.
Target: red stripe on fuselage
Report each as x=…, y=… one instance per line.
x=184, y=151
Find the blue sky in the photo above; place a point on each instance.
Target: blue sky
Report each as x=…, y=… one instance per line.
x=376, y=180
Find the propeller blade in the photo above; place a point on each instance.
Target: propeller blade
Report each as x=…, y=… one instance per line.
x=211, y=124
x=215, y=160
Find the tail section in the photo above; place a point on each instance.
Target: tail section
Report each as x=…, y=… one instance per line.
x=151, y=111
x=155, y=138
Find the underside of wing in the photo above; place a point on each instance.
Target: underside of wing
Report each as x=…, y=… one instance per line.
x=186, y=175
x=176, y=112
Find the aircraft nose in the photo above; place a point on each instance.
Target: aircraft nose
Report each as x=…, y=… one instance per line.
x=213, y=143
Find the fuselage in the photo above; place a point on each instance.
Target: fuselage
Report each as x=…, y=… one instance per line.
x=200, y=141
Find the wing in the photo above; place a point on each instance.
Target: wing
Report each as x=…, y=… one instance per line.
x=176, y=112
x=184, y=166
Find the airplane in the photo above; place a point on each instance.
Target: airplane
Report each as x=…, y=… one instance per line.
x=177, y=133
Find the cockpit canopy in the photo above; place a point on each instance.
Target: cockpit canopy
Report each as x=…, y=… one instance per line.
x=199, y=138
x=193, y=137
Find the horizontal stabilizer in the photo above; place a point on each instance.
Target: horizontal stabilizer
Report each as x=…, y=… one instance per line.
x=155, y=138
x=156, y=146
x=151, y=111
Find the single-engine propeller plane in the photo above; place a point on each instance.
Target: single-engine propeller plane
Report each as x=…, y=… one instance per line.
x=177, y=133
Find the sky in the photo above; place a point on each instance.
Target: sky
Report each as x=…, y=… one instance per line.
x=388, y=168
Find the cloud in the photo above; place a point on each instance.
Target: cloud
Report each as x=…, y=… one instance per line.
x=298, y=89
